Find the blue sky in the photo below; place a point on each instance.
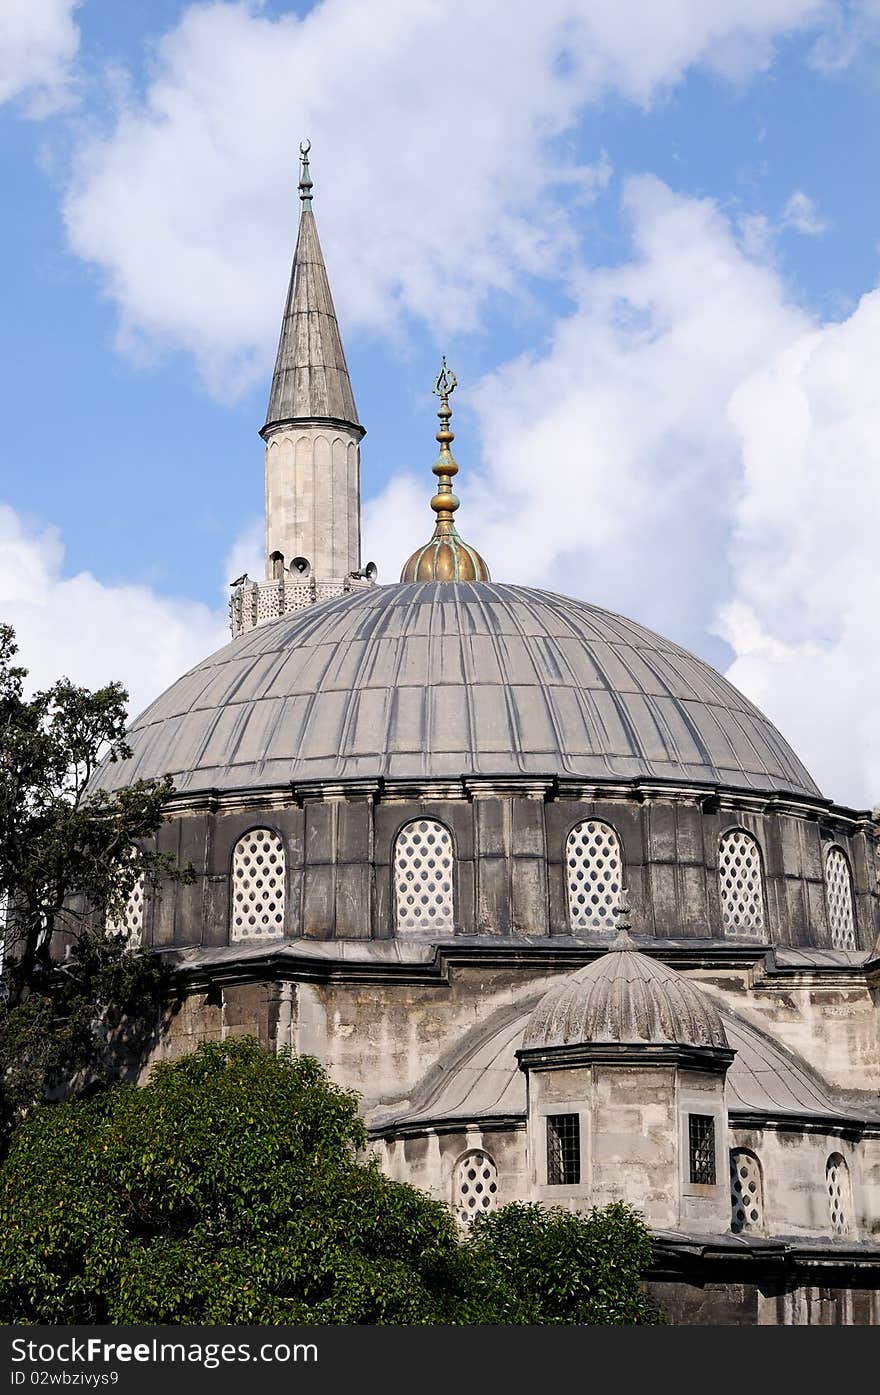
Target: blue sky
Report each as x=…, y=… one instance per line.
x=646, y=237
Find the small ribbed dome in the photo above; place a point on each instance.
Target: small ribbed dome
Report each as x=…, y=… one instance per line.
x=625, y=998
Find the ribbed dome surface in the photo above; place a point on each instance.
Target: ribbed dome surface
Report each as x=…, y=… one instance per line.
x=447, y=557
x=625, y=997
x=442, y=680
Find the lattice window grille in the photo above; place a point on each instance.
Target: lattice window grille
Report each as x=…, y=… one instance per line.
x=297, y=595
x=476, y=1186
x=131, y=922
x=258, y=885
x=746, y=1200
x=839, y=1194
x=838, y=890
x=741, y=883
x=423, y=876
x=4, y=915
x=563, y=1150
x=701, y=1136
x=595, y=875
x=270, y=600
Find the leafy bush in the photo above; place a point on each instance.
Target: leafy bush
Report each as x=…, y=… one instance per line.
x=233, y=1189
x=561, y=1266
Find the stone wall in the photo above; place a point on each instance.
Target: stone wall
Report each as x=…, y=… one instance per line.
x=430, y=1160
x=383, y=1034
x=793, y=1174
x=828, y=1019
x=509, y=865
x=767, y=1303
x=313, y=497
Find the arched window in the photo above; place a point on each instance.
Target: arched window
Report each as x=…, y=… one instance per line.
x=746, y=1192
x=131, y=922
x=594, y=873
x=423, y=876
x=838, y=894
x=839, y=1187
x=475, y=1186
x=258, y=875
x=4, y=916
x=741, y=883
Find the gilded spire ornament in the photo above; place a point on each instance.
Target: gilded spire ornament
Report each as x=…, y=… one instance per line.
x=446, y=557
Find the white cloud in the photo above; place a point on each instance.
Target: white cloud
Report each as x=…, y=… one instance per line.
x=439, y=155
x=247, y=554
x=686, y=397
x=38, y=43
x=91, y=632
x=801, y=215
x=595, y=451
x=850, y=26
x=804, y=617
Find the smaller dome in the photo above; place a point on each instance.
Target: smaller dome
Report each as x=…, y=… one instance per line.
x=625, y=998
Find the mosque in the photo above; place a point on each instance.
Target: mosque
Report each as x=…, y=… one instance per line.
x=551, y=894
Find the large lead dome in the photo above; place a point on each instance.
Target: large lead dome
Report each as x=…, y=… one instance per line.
x=435, y=680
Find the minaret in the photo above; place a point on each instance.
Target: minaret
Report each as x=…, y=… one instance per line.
x=312, y=435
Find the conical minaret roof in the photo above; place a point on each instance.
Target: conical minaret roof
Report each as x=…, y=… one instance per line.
x=311, y=381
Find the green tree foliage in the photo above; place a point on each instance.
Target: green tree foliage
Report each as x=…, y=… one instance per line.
x=233, y=1188
x=563, y=1267
x=69, y=858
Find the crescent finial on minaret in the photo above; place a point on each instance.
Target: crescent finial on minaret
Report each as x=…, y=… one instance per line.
x=305, y=178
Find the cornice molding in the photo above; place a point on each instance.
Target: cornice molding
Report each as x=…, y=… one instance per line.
x=719, y=1258
x=550, y=788
x=281, y=960
x=291, y=425
x=714, y=1059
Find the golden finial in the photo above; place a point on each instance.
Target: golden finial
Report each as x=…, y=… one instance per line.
x=446, y=557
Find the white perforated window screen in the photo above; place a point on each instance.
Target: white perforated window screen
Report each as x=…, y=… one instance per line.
x=423, y=876
x=838, y=891
x=131, y=923
x=258, y=885
x=746, y=1199
x=4, y=907
x=476, y=1186
x=839, y=1194
x=594, y=874
x=741, y=884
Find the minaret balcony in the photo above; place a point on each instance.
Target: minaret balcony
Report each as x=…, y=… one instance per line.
x=251, y=603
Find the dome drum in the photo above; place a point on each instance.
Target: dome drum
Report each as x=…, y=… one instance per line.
x=510, y=874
